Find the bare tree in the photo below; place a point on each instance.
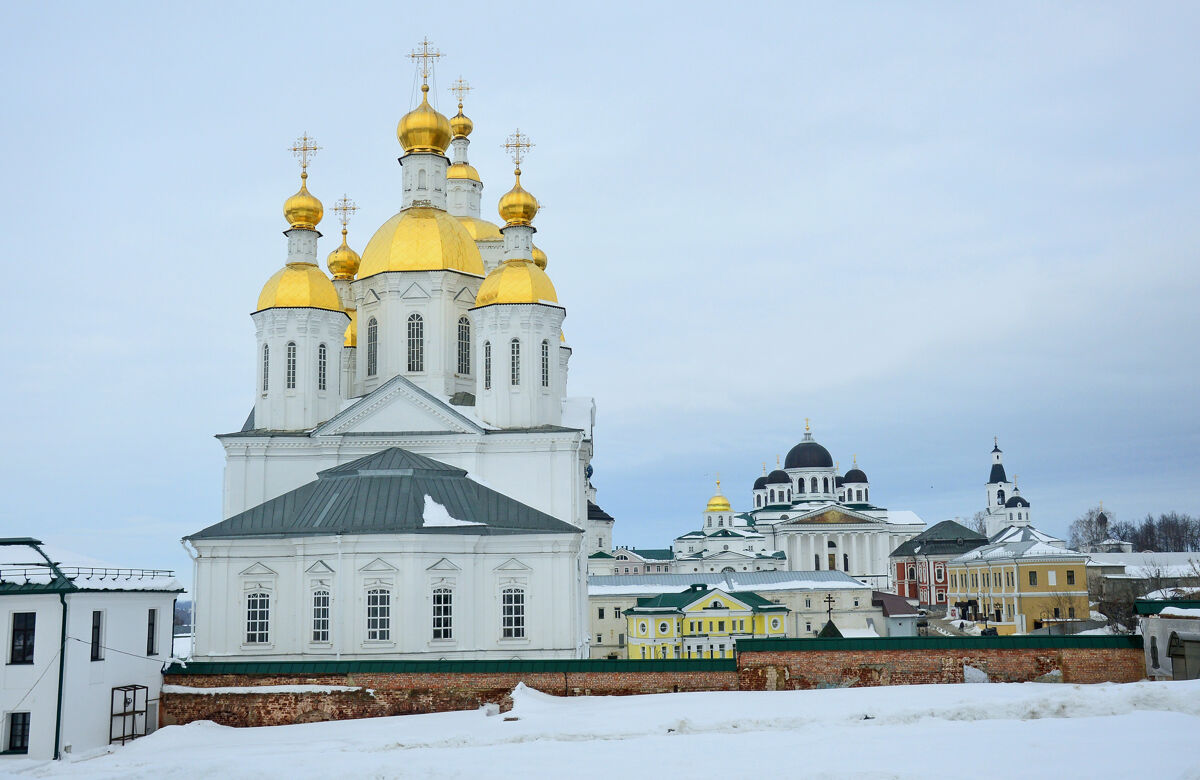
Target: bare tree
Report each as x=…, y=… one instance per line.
x=1090, y=527
x=978, y=523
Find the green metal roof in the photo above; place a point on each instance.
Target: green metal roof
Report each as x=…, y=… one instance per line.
x=904, y=643
x=945, y=538
x=452, y=667
x=1154, y=606
x=678, y=601
x=385, y=493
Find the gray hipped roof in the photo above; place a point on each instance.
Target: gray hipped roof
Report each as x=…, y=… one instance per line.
x=387, y=493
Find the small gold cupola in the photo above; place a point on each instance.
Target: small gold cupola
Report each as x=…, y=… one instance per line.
x=718, y=503
x=517, y=206
x=303, y=211
x=539, y=257
x=343, y=262
x=424, y=129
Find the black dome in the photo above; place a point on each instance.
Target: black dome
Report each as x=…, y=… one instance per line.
x=760, y=483
x=808, y=455
x=1015, y=501
x=778, y=477
x=855, y=475
x=838, y=481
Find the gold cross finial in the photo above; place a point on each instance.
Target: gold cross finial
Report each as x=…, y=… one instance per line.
x=764, y=468
x=304, y=148
x=718, y=483
x=1102, y=505
x=460, y=88
x=516, y=144
x=856, y=461
x=345, y=209
x=806, y=428
x=427, y=56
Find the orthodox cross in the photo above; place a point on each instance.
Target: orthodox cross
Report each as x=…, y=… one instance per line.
x=427, y=57
x=829, y=601
x=806, y=428
x=460, y=88
x=304, y=148
x=718, y=483
x=516, y=144
x=345, y=209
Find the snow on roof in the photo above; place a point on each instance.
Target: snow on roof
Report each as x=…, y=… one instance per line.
x=1179, y=612
x=20, y=564
x=1030, y=549
x=1146, y=565
x=1168, y=594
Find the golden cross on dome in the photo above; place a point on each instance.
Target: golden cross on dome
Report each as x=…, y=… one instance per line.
x=718, y=483
x=806, y=428
x=516, y=144
x=304, y=148
x=345, y=209
x=460, y=88
x=427, y=57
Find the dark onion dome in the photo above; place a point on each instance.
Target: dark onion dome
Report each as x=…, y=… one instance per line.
x=855, y=476
x=808, y=455
x=760, y=483
x=1102, y=518
x=778, y=477
x=997, y=476
x=1015, y=501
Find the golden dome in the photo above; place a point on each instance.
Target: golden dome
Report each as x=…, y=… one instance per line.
x=718, y=503
x=518, y=207
x=421, y=238
x=343, y=262
x=539, y=258
x=352, y=329
x=516, y=281
x=460, y=125
x=463, y=171
x=423, y=129
x=481, y=229
x=299, y=285
x=303, y=211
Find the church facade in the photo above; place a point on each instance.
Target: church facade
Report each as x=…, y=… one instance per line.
x=441, y=345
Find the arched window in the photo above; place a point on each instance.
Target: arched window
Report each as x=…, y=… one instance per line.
x=800, y=485
x=258, y=618
x=321, y=360
x=487, y=365
x=812, y=486
x=512, y=613
x=443, y=613
x=379, y=614
x=545, y=363
x=372, y=346
x=772, y=496
x=320, y=616
x=421, y=179
x=416, y=343
x=866, y=494
x=291, y=365
x=720, y=523
x=758, y=501
x=266, y=366
x=999, y=498
x=825, y=485
x=846, y=560
x=515, y=368
x=464, y=346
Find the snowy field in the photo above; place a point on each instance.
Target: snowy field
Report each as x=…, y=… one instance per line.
x=1025, y=730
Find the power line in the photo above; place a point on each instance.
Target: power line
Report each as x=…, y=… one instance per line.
x=155, y=659
x=38, y=680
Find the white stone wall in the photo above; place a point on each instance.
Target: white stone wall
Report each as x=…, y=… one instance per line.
x=424, y=177
x=283, y=408
x=530, y=402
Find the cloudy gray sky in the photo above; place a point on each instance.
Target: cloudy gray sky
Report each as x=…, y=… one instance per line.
x=919, y=225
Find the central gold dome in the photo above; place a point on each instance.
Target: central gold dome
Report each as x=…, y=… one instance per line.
x=299, y=285
x=516, y=281
x=481, y=229
x=423, y=129
x=421, y=238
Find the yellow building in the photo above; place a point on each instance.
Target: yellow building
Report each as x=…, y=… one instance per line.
x=1018, y=586
x=700, y=622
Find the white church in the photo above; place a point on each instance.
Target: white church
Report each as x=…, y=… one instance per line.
x=411, y=481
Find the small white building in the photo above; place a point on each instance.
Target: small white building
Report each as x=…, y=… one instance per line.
x=84, y=648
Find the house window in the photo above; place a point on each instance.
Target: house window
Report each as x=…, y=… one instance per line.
x=464, y=346
x=21, y=648
x=545, y=363
x=152, y=632
x=515, y=367
x=291, y=365
x=379, y=614
x=18, y=732
x=1070, y=576
x=97, y=635
x=1056, y=613
x=1033, y=578
x=320, y=616
x=941, y=596
x=939, y=574
x=258, y=618
x=1052, y=577
x=443, y=613
x=321, y=361
x=487, y=365
x=599, y=639
x=808, y=603
x=266, y=367
x=372, y=346
x=1071, y=612
x=616, y=613
x=512, y=613
x=416, y=343
x=600, y=613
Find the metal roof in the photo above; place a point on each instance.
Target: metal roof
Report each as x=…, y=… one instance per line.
x=945, y=538
x=386, y=493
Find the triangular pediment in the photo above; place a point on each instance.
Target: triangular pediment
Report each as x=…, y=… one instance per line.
x=512, y=564
x=398, y=406
x=378, y=564
x=831, y=515
x=465, y=295
x=258, y=570
x=320, y=567
x=443, y=565
x=371, y=296
x=415, y=291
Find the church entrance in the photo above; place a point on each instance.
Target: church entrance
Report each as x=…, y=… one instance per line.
x=833, y=561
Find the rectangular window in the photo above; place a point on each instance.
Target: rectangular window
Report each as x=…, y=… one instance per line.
x=416, y=343
x=1070, y=576
x=320, y=616
x=616, y=612
x=1056, y=612
x=487, y=366
x=443, y=613
x=600, y=613
x=97, y=635
x=21, y=649
x=720, y=625
x=379, y=614
x=321, y=362
x=1033, y=578
x=464, y=346
x=620, y=640
x=545, y=364
x=808, y=603
x=1052, y=577
x=1071, y=612
x=599, y=639
x=18, y=732
x=808, y=626
x=291, y=365
x=258, y=618
x=512, y=613
x=515, y=377
x=152, y=632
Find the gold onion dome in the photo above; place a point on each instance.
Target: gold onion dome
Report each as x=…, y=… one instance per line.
x=463, y=171
x=460, y=124
x=481, y=229
x=303, y=211
x=299, y=285
x=421, y=238
x=343, y=262
x=517, y=206
x=718, y=503
x=539, y=258
x=423, y=129
x=516, y=281
x=351, y=339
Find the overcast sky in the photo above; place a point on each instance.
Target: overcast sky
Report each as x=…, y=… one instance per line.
x=919, y=225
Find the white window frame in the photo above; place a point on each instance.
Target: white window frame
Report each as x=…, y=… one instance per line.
x=442, y=613
x=379, y=613
x=322, y=362
x=258, y=618
x=514, y=376
x=266, y=367
x=464, y=346
x=290, y=379
x=513, y=613
x=372, y=347
x=545, y=363
x=487, y=365
x=416, y=343
x=322, y=616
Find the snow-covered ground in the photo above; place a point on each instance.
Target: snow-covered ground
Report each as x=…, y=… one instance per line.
x=1027, y=730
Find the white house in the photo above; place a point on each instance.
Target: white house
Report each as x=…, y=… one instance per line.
x=84, y=647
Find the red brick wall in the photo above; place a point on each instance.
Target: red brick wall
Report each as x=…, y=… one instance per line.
x=759, y=671
x=404, y=694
